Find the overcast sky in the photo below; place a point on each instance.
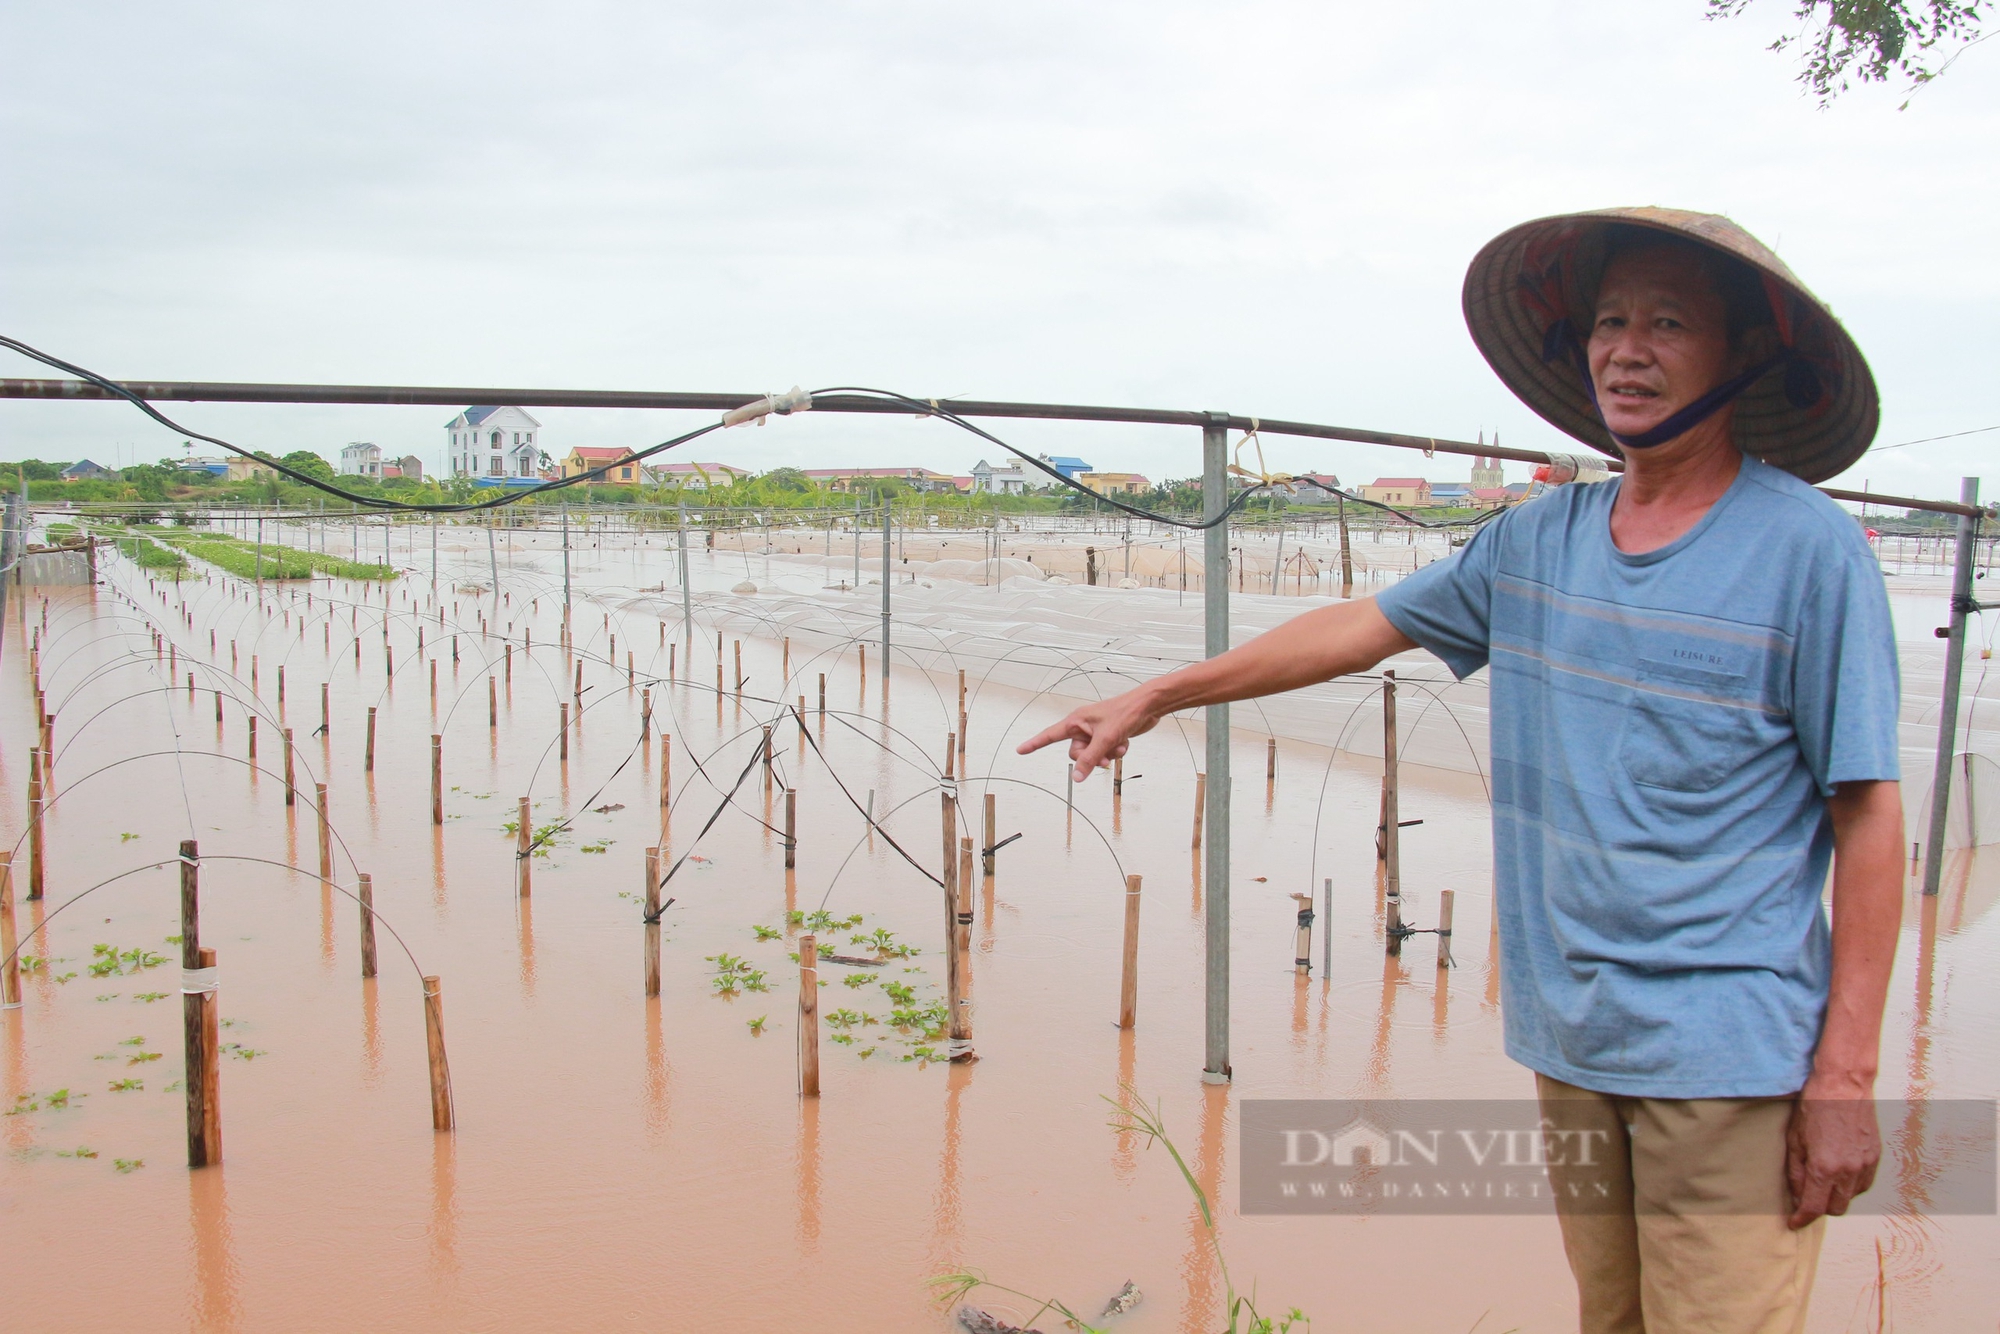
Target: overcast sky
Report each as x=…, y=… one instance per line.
x=1263, y=207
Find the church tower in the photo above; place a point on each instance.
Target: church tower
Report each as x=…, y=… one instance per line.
x=1486, y=472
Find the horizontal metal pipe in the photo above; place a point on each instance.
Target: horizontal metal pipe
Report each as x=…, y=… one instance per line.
x=196, y=391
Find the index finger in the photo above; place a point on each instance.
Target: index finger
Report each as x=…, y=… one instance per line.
x=1046, y=737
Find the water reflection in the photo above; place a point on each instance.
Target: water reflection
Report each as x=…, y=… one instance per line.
x=216, y=1301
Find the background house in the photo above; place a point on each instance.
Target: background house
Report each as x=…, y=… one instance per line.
x=361, y=459
x=495, y=443
x=691, y=476
x=620, y=468
x=242, y=469
x=1402, y=492
x=1114, y=483
x=1064, y=464
x=1010, y=479
x=83, y=470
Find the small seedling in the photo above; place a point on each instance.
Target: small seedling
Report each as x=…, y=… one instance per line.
x=593, y=847
x=139, y=1041
x=126, y=838
x=150, y=996
x=126, y=1085
x=141, y=1057
x=766, y=932
x=81, y=1151
x=128, y=1164
x=61, y=1097
x=856, y=980
x=842, y=1018
x=241, y=1052
x=900, y=992
x=844, y=1039
x=109, y=995
x=757, y=1024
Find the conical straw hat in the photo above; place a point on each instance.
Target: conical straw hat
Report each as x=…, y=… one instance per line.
x=1528, y=302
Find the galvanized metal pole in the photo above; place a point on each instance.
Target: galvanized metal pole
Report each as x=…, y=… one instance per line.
x=687, y=597
x=1954, y=666
x=888, y=513
x=1215, y=841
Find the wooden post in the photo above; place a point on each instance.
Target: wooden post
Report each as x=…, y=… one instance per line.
x=1392, y=901
x=652, y=921
x=577, y=690
x=1128, y=987
x=434, y=682
x=992, y=833
x=291, y=788
x=961, y=720
x=1444, y=927
x=1200, y=805
x=369, y=764
x=791, y=828
x=36, y=860
x=785, y=674
x=437, y=778
x=562, y=751
x=441, y=1117
x=961, y=948
x=10, y=970
x=281, y=683
x=767, y=761
x=325, y=836
x=1302, y=955
x=366, y=893
x=950, y=755
x=949, y=812
x=1118, y=777
x=822, y=694
x=666, y=782
x=325, y=715
x=808, y=1016
x=523, y=848
x=218, y=705
x=253, y=740
x=1271, y=759
x=738, y=645
x=492, y=704
x=506, y=658
x=645, y=711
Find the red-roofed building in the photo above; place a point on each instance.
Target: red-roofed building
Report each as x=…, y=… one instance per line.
x=1402, y=492
x=623, y=471
x=1491, y=497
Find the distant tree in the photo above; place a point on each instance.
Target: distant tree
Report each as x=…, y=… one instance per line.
x=309, y=463
x=37, y=471
x=1871, y=41
x=787, y=479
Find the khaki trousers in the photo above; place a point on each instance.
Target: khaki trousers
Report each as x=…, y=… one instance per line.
x=1678, y=1223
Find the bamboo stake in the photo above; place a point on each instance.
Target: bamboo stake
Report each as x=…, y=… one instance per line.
x=10, y=970
x=791, y=828
x=291, y=788
x=767, y=761
x=949, y=814
x=822, y=694
x=434, y=683
x=218, y=708
x=808, y=1016
x=1302, y=955
x=366, y=892
x=1392, y=855
x=492, y=704
x=666, y=782
x=1444, y=927
x=325, y=836
x=786, y=673
x=369, y=763
x=1118, y=777
x=441, y=1113
x=738, y=644
x=645, y=711
x=506, y=658
x=1200, y=805
x=209, y=1090
x=437, y=778
x=1128, y=985
x=1271, y=759
x=961, y=948
x=652, y=921
x=36, y=859
x=325, y=714
x=950, y=755
x=281, y=683
x=562, y=751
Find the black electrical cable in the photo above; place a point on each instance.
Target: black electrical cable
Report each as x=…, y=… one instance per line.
x=374, y=502
x=924, y=407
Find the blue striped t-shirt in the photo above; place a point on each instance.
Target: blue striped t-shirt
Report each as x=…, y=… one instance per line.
x=1666, y=728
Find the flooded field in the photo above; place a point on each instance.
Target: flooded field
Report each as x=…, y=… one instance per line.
x=621, y=1161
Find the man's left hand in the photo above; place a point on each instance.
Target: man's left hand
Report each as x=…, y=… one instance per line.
x=1832, y=1148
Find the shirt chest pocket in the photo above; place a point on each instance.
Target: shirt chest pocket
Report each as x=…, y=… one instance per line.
x=1687, y=728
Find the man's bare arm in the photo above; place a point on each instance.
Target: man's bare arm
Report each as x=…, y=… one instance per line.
x=1834, y=1141
x=1315, y=647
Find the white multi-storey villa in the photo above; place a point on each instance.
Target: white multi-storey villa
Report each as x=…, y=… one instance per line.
x=495, y=445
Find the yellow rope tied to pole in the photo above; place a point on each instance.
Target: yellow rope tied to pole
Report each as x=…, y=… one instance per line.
x=1262, y=475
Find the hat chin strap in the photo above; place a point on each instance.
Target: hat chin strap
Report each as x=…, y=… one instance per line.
x=1695, y=413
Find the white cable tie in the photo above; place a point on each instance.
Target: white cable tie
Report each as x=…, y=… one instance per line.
x=957, y=1047
x=792, y=400
x=198, y=981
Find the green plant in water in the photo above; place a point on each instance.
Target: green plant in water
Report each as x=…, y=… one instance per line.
x=842, y=1018
x=766, y=932
x=128, y=1164
x=900, y=992
x=593, y=847
x=126, y=838
x=239, y=1051
x=151, y=996
x=1131, y=1116
x=856, y=980
x=126, y=1085
x=757, y=1024
x=81, y=1151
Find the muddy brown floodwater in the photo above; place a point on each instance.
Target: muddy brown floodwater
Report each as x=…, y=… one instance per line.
x=622, y=1162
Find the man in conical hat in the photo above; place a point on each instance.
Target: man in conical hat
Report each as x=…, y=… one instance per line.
x=1694, y=700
